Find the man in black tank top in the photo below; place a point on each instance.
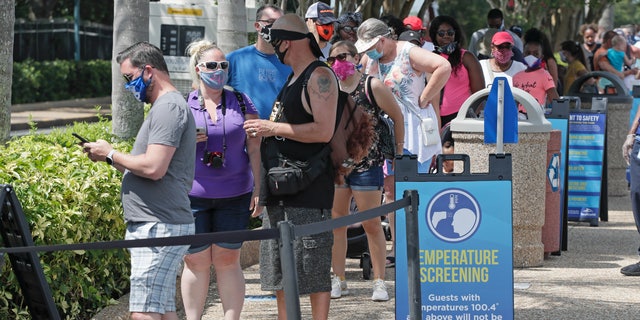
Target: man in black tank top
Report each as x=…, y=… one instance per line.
x=300, y=130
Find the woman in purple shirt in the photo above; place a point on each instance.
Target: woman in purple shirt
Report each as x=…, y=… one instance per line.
x=224, y=192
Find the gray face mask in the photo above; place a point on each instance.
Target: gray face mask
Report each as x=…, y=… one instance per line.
x=449, y=48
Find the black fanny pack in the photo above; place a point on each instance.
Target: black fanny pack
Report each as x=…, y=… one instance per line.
x=287, y=176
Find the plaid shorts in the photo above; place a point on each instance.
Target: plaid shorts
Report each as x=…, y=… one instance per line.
x=154, y=269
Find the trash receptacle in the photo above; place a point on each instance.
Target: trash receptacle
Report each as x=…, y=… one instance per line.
x=529, y=169
x=617, y=110
x=552, y=221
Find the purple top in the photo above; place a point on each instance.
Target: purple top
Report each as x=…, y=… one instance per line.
x=234, y=178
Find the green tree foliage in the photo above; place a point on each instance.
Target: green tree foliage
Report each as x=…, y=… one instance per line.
x=627, y=12
x=37, y=81
x=94, y=11
x=67, y=198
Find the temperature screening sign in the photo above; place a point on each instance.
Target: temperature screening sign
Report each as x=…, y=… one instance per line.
x=465, y=250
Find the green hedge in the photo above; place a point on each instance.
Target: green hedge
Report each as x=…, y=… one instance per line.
x=38, y=81
x=67, y=198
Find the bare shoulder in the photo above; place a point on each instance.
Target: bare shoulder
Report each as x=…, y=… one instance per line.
x=377, y=84
x=323, y=80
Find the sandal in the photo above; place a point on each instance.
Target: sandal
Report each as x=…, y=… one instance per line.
x=391, y=262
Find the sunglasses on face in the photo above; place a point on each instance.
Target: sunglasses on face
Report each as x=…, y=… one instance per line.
x=129, y=77
x=350, y=29
x=502, y=47
x=341, y=57
x=212, y=65
x=450, y=33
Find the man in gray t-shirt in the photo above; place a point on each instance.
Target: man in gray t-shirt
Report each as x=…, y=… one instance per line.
x=158, y=174
x=165, y=200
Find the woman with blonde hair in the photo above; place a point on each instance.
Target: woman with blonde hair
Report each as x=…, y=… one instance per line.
x=225, y=187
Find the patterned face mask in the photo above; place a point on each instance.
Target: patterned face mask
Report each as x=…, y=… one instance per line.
x=215, y=79
x=449, y=48
x=138, y=87
x=502, y=56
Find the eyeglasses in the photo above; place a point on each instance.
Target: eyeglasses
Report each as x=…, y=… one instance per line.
x=129, y=77
x=341, y=57
x=450, y=33
x=350, y=29
x=502, y=47
x=212, y=65
x=268, y=21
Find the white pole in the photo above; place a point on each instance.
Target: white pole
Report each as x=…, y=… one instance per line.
x=500, y=118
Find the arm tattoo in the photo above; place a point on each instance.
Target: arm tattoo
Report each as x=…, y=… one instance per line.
x=325, y=89
x=324, y=84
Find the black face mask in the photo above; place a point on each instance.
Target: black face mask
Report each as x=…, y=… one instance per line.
x=280, y=54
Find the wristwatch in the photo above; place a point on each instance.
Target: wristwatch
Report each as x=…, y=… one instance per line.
x=109, y=158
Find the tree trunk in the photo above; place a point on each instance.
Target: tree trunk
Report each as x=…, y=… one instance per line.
x=7, y=19
x=232, y=25
x=606, y=21
x=130, y=25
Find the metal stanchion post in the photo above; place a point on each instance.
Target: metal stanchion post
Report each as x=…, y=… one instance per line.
x=289, y=272
x=413, y=255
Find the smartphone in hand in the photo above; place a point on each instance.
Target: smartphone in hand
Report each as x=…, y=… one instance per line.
x=201, y=130
x=82, y=140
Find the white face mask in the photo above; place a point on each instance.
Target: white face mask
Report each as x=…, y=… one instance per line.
x=532, y=61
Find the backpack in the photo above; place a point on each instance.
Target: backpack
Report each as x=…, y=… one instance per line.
x=353, y=134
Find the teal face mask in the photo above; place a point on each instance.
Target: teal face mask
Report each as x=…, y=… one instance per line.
x=374, y=54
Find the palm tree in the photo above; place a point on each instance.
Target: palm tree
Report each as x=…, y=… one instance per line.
x=232, y=25
x=130, y=25
x=7, y=19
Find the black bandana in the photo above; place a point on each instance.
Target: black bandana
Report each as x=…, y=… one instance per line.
x=274, y=36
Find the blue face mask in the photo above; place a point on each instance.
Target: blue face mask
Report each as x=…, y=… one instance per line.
x=138, y=87
x=374, y=54
x=215, y=79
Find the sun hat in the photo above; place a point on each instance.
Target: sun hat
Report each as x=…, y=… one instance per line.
x=322, y=12
x=369, y=34
x=502, y=37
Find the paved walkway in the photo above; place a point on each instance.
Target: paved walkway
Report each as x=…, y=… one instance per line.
x=584, y=282
x=56, y=114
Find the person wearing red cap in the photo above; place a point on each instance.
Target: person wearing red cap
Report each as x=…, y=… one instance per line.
x=414, y=23
x=501, y=64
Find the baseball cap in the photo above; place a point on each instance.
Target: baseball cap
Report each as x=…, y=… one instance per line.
x=502, y=37
x=410, y=36
x=322, y=12
x=414, y=23
x=369, y=34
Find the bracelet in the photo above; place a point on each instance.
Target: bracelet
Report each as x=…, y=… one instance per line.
x=631, y=135
x=400, y=144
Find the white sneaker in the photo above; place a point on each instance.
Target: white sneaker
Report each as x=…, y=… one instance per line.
x=379, y=291
x=338, y=288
